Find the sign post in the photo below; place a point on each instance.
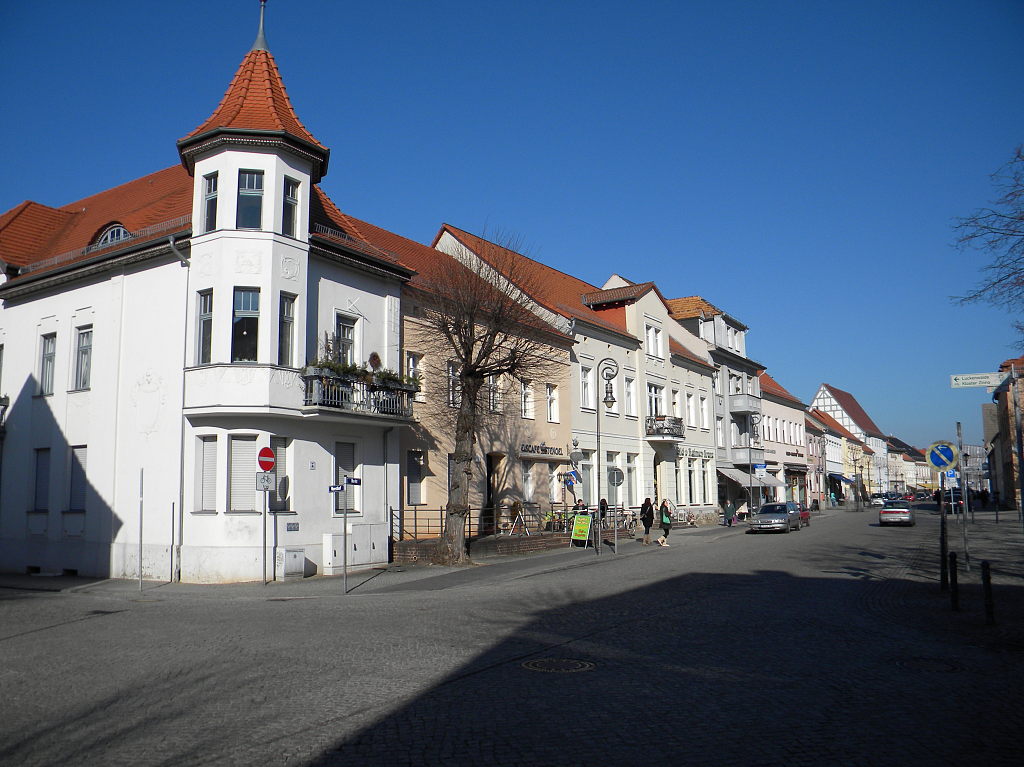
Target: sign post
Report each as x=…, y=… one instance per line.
x=344, y=531
x=264, y=484
x=967, y=380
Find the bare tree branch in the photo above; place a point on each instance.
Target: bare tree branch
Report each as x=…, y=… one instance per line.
x=999, y=231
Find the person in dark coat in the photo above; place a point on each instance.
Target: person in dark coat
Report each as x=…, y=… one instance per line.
x=729, y=513
x=665, y=514
x=647, y=519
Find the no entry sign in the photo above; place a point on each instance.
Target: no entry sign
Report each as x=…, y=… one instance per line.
x=266, y=459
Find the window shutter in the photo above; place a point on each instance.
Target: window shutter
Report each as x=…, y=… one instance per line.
x=208, y=480
x=76, y=502
x=243, y=474
x=345, y=465
x=279, y=495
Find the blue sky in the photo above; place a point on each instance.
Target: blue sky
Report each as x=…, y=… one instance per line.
x=798, y=164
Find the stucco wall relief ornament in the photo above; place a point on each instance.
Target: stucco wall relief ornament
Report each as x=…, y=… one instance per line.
x=244, y=375
x=247, y=262
x=289, y=268
x=148, y=396
x=204, y=265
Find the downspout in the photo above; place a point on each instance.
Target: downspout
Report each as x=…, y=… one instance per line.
x=384, y=466
x=177, y=544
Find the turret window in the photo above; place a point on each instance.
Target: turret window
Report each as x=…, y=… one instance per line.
x=250, y=200
x=290, y=207
x=245, y=325
x=210, y=202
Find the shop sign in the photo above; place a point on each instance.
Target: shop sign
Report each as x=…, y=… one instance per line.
x=531, y=450
x=696, y=452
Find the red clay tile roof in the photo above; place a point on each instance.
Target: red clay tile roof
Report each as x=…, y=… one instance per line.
x=31, y=232
x=630, y=292
x=559, y=292
x=256, y=100
x=691, y=306
x=853, y=409
x=678, y=349
x=1017, y=362
x=770, y=386
x=810, y=425
x=834, y=425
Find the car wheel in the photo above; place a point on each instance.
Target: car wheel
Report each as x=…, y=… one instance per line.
x=787, y=530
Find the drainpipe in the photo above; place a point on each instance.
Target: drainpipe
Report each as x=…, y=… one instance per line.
x=384, y=467
x=176, y=544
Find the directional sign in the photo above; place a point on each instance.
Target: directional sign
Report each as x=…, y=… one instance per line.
x=942, y=456
x=265, y=481
x=965, y=380
x=336, y=489
x=266, y=459
x=353, y=481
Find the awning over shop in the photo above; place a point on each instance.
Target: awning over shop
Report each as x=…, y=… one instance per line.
x=742, y=478
x=840, y=477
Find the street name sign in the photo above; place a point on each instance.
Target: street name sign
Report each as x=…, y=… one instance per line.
x=965, y=380
x=353, y=481
x=335, y=488
x=942, y=456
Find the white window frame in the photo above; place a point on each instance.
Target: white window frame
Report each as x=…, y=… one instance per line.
x=526, y=398
x=346, y=338
x=289, y=207
x=206, y=479
x=586, y=387
x=47, y=363
x=204, y=327
x=245, y=312
x=705, y=418
x=629, y=396
x=210, y=183
x=250, y=185
x=655, y=399
x=415, y=487
x=691, y=412
x=83, y=357
x=77, y=480
x=414, y=371
x=551, y=402
x=452, y=380
x=286, y=330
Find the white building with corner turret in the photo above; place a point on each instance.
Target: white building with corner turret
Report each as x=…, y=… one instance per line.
x=156, y=336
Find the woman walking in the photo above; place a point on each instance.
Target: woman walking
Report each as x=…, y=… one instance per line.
x=666, y=522
x=647, y=519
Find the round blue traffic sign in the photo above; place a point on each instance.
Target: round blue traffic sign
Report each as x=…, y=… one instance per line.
x=942, y=455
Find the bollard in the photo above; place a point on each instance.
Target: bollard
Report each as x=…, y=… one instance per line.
x=954, y=594
x=986, y=585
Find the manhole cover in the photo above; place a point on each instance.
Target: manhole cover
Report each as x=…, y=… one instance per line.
x=929, y=664
x=558, y=665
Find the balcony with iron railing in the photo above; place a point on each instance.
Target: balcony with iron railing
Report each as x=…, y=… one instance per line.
x=371, y=397
x=664, y=428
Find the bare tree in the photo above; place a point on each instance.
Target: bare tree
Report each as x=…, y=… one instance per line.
x=474, y=307
x=999, y=231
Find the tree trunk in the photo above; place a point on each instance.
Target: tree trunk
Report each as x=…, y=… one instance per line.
x=452, y=548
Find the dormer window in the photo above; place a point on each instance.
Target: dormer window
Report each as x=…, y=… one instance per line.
x=113, y=233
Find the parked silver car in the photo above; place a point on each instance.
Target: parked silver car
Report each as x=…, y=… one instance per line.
x=781, y=517
x=896, y=513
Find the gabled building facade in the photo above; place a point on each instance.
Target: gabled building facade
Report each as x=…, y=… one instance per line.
x=737, y=402
x=784, y=439
x=845, y=408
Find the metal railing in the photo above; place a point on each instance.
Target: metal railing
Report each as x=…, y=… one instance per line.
x=664, y=425
x=140, y=234
x=417, y=522
x=357, y=396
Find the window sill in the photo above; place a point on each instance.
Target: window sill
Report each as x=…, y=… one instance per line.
x=284, y=513
x=341, y=515
x=76, y=391
x=203, y=513
x=42, y=395
x=244, y=513
x=73, y=511
x=37, y=511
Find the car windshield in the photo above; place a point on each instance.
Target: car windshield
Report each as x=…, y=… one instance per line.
x=777, y=508
x=896, y=505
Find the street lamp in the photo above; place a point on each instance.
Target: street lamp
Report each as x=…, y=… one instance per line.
x=754, y=419
x=609, y=371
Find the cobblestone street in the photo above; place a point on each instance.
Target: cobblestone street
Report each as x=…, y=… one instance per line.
x=831, y=646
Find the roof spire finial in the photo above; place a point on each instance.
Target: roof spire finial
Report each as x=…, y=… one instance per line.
x=261, y=40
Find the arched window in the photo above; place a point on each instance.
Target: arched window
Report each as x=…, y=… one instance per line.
x=113, y=233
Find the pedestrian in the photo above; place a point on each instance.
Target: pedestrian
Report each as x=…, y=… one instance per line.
x=602, y=510
x=666, y=522
x=647, y=519
x=832, y=499
x=579, y=506
x=983, y=497
x=730, y=513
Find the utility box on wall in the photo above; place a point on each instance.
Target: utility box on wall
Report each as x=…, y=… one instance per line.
x=290, y=563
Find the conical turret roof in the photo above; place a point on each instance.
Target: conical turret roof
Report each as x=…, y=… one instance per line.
x=255, y=106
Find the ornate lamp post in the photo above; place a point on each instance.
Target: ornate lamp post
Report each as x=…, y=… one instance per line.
x=752, y=441
x=606, y=369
